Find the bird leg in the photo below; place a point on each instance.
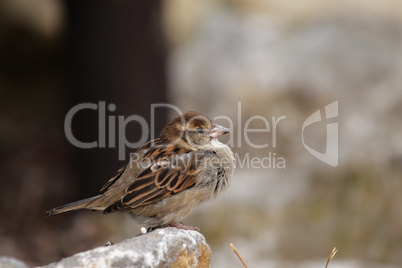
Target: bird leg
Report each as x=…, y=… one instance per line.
x=178, y=225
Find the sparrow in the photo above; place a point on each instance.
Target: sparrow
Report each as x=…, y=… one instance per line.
x=167, y=177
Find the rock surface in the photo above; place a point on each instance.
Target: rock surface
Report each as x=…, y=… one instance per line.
x=7, y=262
x=168, y=247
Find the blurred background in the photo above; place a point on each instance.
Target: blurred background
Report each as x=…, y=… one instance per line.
x=234, y=58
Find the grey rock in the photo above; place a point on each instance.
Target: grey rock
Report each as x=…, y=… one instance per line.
x=168, y=247
x=8, y=262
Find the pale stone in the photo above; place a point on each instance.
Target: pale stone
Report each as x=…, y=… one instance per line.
x=167, y=247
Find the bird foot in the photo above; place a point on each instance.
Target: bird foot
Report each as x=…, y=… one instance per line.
x=178, y=225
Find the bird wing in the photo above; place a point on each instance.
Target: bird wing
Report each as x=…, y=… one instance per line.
x=173, y=171
x=113, y=179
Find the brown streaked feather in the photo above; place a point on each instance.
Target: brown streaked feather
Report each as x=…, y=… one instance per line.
x=113, y=179
x=166, y=177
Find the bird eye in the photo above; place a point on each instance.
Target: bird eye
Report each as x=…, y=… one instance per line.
x=200, y=130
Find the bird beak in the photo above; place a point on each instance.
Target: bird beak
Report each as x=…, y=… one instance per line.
x=217, y=131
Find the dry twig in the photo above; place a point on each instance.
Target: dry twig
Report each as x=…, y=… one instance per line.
x=238, y=255
x=333, y=252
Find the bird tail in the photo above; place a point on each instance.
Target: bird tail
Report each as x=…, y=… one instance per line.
x=87, y=203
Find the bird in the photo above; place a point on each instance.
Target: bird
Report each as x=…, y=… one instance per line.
x=167, y=177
